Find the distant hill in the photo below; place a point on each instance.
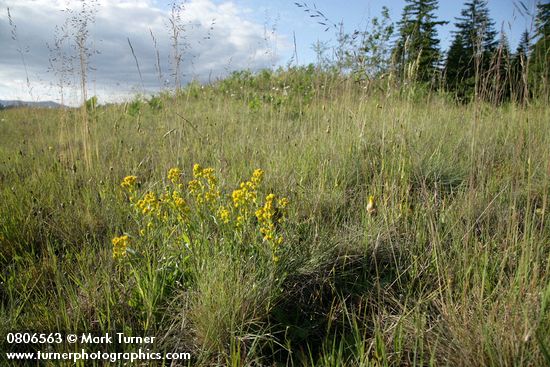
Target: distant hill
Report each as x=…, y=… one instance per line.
x=18, y=103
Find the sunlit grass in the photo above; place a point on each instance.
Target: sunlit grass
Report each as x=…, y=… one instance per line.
x=451, y=267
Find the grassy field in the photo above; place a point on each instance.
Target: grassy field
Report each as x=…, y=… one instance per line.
x=452, y=268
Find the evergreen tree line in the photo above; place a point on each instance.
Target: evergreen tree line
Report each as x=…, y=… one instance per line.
x=478, y=64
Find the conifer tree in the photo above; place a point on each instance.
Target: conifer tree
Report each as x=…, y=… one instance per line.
x=522, y=51
x=540, y=56
x=418, y=46
x=470, y=53
x=456, y=68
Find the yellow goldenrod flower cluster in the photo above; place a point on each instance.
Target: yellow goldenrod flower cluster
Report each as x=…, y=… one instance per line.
x=174, y=175
x=245, y=197
x=201, y=200
x=129, y=182
x=224, y=214
x=204, y=186
x=257, y=177
x=178, y=201
x=180, y=205
x=120, y=244
x=269, y=216
x=159, y=206
x=149, y=203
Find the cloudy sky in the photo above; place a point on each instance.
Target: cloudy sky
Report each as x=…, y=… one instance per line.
x=217, y=36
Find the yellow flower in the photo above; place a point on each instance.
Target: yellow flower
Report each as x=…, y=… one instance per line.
x=269, y=215
x=174, y=175
x=149, y=203
x=129, y=182
x=120, y=244
x=371, y=206
x=212, y=195
x=207, y=172
x=179, y=202
x=204, y=186
x=223, y=214
x=282, y=203
x=257, y=177
x=194, y=187
x=197, y=170
x=238, y=198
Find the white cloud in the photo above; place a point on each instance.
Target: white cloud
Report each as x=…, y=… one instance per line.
x=218, y=38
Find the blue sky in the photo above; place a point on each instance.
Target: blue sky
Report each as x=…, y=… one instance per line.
x=220, y=35
x=355, y=14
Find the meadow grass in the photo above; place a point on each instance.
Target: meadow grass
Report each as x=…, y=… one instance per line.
x=454, y=268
